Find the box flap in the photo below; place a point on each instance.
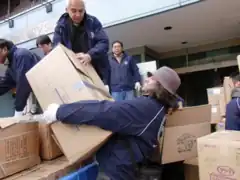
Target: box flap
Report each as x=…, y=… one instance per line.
x=9, y=121
x=190, y=115
x=223, y=136
x=68, y=135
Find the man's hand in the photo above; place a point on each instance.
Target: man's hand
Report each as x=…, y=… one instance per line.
x=138, y=86
x=84, y=58
x=50, y=115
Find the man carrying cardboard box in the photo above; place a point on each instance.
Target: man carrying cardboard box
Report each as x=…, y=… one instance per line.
x=233, y=107
x=84, y=35
x=19, y=62
x=136, y=121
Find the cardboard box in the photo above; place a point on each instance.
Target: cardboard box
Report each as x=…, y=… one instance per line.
x=48, y=147
x=182, y=130
x=66, y=80
x=51, y=170
x=216, y=96
x=191, y=169
x=19, y=146
x=219, y=156
x=228, y=87
x=215, y=114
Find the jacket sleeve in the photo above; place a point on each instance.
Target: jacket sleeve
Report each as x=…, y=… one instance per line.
x=6, y=83
x=102, y=42
x=23, y=88
x=57, y=37
x=135, y=70
x=112, y=116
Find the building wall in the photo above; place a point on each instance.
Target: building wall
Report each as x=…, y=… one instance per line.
x=35, y=21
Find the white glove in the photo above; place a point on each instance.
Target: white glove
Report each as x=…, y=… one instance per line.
x=50, y=115
x=107, y=87
x=138, y=86
x=18, y=113
x=33, y=109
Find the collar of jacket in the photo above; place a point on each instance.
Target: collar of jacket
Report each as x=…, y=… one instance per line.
x=11, y=53
x=124, y=55
x=235, y=93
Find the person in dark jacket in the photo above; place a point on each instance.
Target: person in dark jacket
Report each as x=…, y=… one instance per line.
x=136, y=121
x=233, y=107
x=84, y=35
x=19, y=62
x=125, y=76
x=44, y=42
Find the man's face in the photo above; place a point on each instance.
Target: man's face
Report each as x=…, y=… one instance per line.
x=76, y=10
x=149, y=84
x=117, y=48
x=3, y=55
x=46, y=48
x=236, y=84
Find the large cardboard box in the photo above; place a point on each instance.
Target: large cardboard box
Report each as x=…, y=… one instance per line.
x=49, y=170
x=48, y=147
x=66, y=80
x=182, y=130
x=216, y=115
x=19, y=146
x=191, y=169
x=219, y=156
x=228, y=87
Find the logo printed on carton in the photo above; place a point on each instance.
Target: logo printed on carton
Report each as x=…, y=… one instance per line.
x=223, y=173
x=186, y=142
x=16, y=148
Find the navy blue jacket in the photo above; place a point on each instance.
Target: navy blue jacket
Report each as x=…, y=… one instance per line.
x=21, y=60
x=97, y=41
x=233, y=115
x=137, y=121
x=124, y=75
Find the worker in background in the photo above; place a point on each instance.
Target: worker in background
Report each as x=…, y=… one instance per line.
x=233, y=107
x=136, y=121
x=19, y=62
x=125, y=76
x=44, y=42
x=84, y=35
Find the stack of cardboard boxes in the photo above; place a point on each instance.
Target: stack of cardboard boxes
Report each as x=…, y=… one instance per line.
x=61, y=78
x=218, y=97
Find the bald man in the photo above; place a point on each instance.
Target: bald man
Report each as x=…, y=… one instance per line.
x=84, y=35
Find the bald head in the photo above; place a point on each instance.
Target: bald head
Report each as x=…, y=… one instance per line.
x=76, y=10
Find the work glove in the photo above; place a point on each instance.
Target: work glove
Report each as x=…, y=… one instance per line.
x=84, y=58
x=138, y=86
x=18, y=113
x=107, y=87
x=50, y=115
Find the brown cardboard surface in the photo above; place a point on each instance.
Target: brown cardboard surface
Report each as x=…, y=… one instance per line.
x=219, y=156
x=48, y=147
x=182, y=129
x=228, y=87
x=19, y=147
x=180, y=142
x=88, y=139
x=66, y=80
x=60, y=78
x=51, y=170
x=191, y=169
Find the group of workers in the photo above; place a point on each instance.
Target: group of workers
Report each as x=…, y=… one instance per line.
x=136, y=120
